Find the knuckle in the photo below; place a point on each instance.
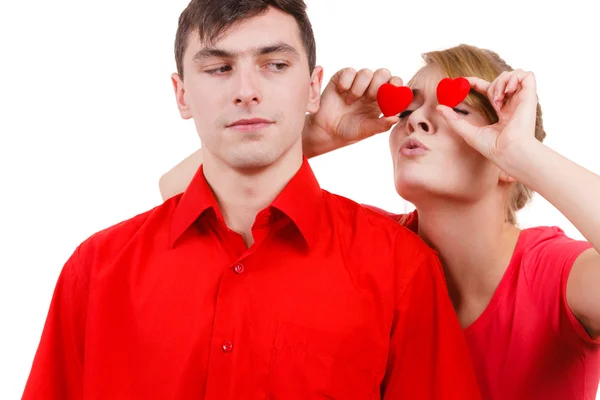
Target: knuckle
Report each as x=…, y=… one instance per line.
x=365, y=72
x=383, y=71
x=348, y=72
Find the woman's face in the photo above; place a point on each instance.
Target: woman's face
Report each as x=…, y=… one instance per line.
x=429, y=158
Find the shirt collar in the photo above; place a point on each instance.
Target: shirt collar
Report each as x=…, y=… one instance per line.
x=411, y=221
x=300, y=200
x=197, y=198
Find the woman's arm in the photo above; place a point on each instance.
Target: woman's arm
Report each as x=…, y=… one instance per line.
x=177, y=179
x=575, y=192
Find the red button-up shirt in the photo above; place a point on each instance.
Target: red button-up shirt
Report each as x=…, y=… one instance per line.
x=331, y=301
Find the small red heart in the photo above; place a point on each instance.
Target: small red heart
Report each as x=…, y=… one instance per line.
x=392, y=99
x=451, y=92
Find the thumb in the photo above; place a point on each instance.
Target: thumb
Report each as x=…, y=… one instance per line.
x=379, y=125
x=396, y=81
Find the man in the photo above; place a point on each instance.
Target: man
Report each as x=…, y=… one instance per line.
x=255, y=283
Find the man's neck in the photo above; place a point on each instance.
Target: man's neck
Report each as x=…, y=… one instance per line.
x=475, y=245
x=242, y=194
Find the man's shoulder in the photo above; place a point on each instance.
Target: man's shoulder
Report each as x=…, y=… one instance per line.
x=371, y=219
x=366, y=232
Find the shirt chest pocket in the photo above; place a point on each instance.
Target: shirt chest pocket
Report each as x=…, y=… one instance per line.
x=313, y=364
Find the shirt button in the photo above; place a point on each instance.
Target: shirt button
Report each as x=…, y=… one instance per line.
x=227, y=347
x=239, y=268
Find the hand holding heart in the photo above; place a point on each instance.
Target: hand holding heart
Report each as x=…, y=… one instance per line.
x=514, y=98
x=349, y=112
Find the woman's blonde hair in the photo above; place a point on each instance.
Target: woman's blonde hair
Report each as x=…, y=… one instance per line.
x=465, y=60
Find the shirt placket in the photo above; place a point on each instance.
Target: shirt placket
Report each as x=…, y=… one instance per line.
x=227, y=329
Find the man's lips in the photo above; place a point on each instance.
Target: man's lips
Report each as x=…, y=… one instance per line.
x=250, y=125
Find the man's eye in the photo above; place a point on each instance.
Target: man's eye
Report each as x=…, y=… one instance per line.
x=217, y=71
x=277, y=66
x=404, y=114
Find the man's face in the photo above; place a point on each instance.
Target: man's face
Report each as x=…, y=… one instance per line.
x=249, y=92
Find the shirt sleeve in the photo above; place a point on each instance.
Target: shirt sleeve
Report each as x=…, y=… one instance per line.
x=548, y=264
x=428, y=356
x=57, y=370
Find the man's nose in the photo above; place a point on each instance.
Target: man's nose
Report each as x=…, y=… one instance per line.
x=247, y=88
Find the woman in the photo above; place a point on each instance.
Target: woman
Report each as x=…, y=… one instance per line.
x=528, y=300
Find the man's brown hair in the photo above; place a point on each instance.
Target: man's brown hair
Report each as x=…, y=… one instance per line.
x=210, y=18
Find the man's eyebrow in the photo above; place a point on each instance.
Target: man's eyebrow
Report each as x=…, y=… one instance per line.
x=212, y=52
x=277, y=48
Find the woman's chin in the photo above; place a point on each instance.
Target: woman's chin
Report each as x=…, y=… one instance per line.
x=412, y=189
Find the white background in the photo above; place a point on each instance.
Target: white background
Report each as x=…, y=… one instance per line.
x=88, y=121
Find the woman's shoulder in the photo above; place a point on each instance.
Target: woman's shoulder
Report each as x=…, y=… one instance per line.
x=547, y=240
x=546, y=254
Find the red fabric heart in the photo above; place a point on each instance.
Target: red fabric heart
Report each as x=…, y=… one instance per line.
x=392, y=99
x=451, y=92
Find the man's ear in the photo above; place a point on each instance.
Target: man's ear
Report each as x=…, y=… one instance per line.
x=184, y=108
x=314, y=95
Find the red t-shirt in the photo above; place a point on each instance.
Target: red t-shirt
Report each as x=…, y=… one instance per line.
x=527, y=344
x=331, y=301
